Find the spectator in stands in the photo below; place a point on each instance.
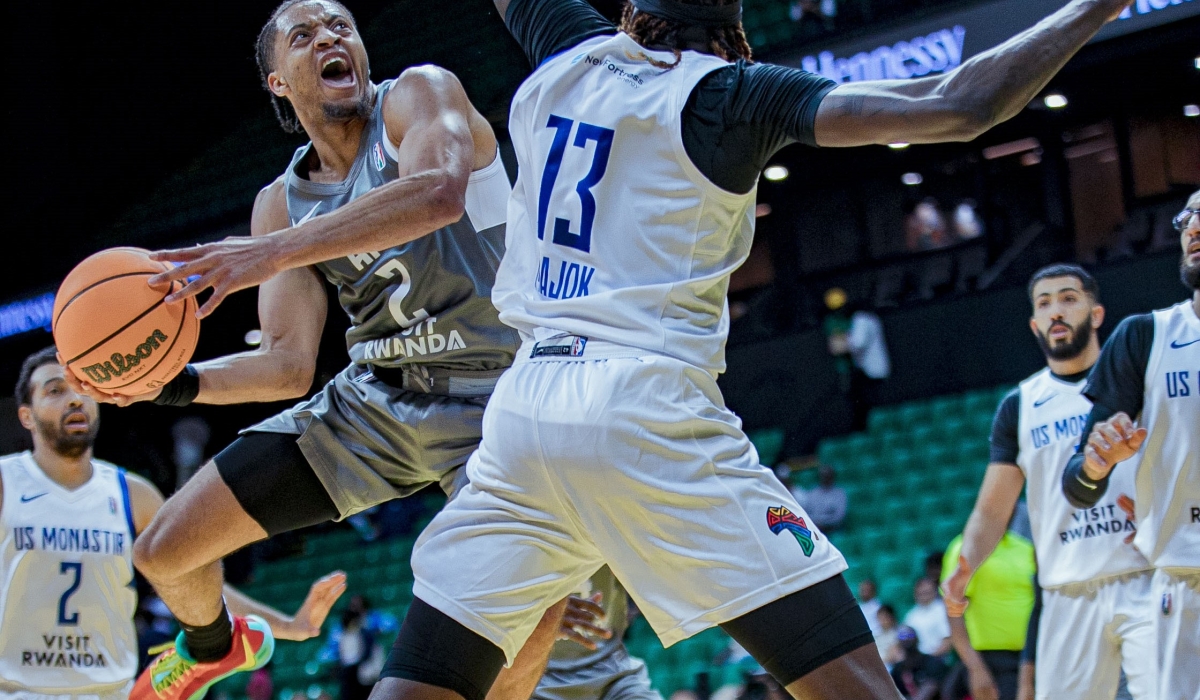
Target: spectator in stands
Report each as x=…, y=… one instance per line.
x=887, y=638
x=925, y=227
x=826, y=504
x=260, y=686
x=354, y=644
x=190, y=435
x=869, y=603
x=860, y=353
x=928, y=617
x=815, y=17
x=967, y=225
x=917, y=675
x=933, y=567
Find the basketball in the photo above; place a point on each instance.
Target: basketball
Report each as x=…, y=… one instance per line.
x=115, y=331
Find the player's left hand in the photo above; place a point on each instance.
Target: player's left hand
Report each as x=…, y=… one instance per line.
x=954, y=588
x=581, y=621
x=228, y=266
x=307, y=621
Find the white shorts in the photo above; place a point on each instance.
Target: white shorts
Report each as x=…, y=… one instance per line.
x=1089, y=632
x=9, y=692
x=624, y=458
x=1176, y=605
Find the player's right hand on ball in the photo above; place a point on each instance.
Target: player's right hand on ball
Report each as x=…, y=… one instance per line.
x=954, y=588
x=84, y=389
x=1112, y=441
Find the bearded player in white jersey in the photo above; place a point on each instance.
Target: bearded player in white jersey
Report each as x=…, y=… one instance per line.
x=1095, y=585
x=1146, y=395
x=67, y=526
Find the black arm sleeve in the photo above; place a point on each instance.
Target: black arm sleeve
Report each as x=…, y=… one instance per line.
x=1117, y=383
x=546, y=27
x=1029, y=653
x=738, y=116
x=1118, y=380
x=1079, y=488
x=1005, y=444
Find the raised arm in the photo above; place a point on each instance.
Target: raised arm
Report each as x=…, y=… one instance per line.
x=291, y=313
x=440, y=139
x=984, y=91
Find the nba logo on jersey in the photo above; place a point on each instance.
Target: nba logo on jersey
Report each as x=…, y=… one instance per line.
x=380, y=162
x=1166, y=604
x=560, y=346
x=112, y=505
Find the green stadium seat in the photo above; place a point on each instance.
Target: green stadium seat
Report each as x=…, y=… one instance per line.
x=768, y=443
x=912, y=415
x=897, y=593
x=883, y=419
x=945, y=407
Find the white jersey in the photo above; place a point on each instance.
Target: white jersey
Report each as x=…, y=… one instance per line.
x=68, y=598
x=612, y=231
x=1072, y=545
x=1168, y=465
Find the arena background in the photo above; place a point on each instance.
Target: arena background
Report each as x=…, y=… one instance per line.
x=147, y=126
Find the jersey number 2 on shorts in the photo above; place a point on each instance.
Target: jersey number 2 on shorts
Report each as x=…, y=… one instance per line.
x=77, y=567
x=558, y=148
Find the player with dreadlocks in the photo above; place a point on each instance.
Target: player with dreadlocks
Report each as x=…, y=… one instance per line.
x=607, y=442
x=399, y=201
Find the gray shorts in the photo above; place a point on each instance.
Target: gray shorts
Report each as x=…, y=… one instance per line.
x=617, y=676
x=369, y=442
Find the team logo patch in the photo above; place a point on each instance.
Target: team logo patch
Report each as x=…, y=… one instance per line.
x=380, y=162
x=780, y=519
x=1166, y=604
x=567, y=346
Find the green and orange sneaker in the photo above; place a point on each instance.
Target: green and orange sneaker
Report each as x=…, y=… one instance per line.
x=174, y=675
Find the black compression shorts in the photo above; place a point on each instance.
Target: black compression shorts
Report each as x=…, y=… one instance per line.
x=271, y=479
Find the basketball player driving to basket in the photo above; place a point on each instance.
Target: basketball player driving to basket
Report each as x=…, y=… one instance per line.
x=607, y=442
x=399, y=201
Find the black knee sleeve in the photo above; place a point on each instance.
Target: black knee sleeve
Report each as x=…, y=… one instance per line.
x=272, y=480
x=798, y=633
x=434, y=649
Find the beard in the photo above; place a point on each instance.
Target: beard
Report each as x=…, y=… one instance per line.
x=343, y=111
x=69, y=445
x=1190, y=274
x=1080, y=337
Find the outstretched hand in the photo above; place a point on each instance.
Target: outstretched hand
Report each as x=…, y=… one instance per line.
x=227, y=266
x=1112, y=441
x=581, y=622
x=307, y=621
x=85, y=389
x=954, y=589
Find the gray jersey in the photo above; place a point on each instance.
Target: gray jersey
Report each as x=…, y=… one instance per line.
x=609, y=672
x=427, y=301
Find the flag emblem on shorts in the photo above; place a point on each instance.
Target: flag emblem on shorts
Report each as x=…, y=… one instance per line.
x=379, y=161
x=780, y=519
x=1166, y=604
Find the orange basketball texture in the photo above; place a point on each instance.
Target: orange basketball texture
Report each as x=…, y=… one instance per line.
x=116, y=332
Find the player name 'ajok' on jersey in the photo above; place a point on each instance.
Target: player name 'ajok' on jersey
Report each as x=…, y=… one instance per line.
x=426, y=301
x=612, y=231
x=1072, y=545
x=67, y=597
x=1167, y=467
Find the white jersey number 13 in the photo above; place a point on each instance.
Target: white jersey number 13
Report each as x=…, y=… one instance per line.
x=558, y=148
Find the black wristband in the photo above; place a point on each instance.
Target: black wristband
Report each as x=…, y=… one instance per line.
x=182, y=390
x=1081, y=490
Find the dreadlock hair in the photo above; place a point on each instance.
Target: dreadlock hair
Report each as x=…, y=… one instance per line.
x=264, y=55
x=651, y=31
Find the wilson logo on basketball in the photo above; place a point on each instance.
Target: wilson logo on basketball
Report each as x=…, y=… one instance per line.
x=121, y=364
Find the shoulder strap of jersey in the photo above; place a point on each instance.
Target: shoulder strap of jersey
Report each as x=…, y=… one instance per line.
x=125, y=501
